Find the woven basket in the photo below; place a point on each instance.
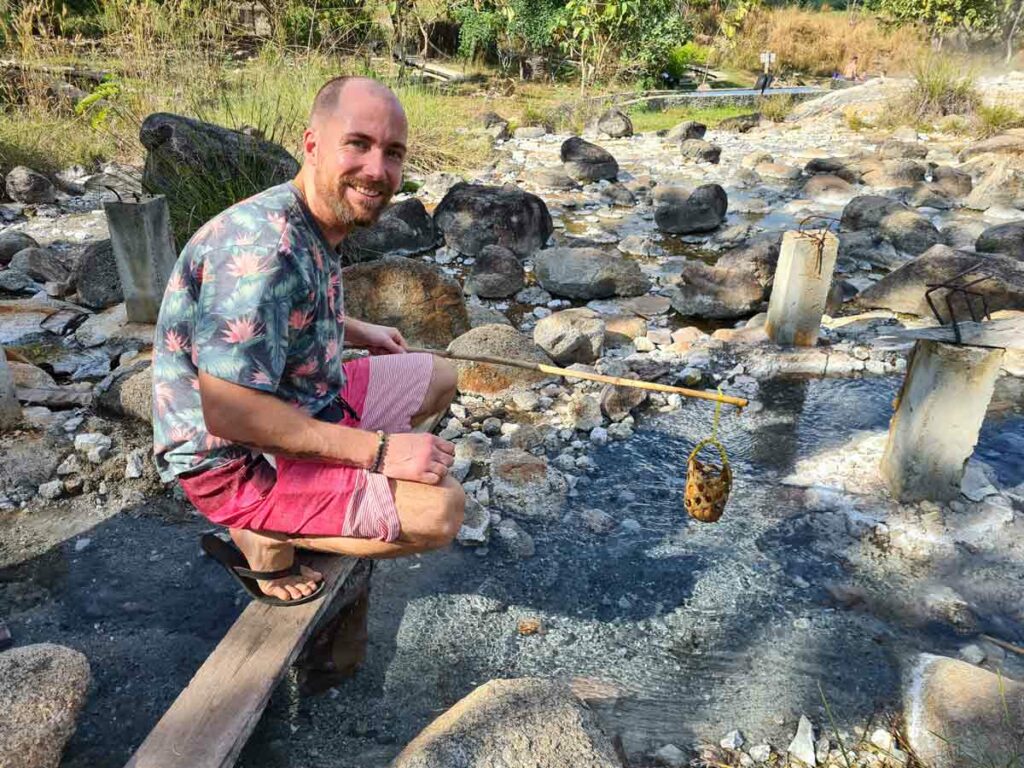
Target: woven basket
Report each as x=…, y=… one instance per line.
x=707, y=484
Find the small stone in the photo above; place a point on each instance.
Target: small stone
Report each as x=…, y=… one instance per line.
x=643, y=344
x=492, y=426
x=134, y=465
x=526, y=400
x=760, y=753
x=82, y=544
x=732, y=740
x=69, y=466
x=821, y=749
x=599, y=436
x=98, y=454
x=882, y=739
x=629, y=525
x=802, y=745
x=89, y=440
x=597, y=520
x=972, y=654
x=670, y=755
x=52, y=490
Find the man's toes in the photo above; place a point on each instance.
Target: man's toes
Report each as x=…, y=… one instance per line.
x=310, y=574
x=276, y=590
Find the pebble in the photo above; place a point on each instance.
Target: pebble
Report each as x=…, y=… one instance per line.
x=732, y=740
x=599, y=436
x=82, y=544
x=629, y=525
x=526, y=400
x=597, y=520
x=882, y=739
x=670, y=755
x=134, y=465
x=822, y=749
x=760, y=753
x=86, y=441
x=492, y=426
x=802, y=745
x=98, y=454
x=972, y=654
x=69, y=466
x=52, y=490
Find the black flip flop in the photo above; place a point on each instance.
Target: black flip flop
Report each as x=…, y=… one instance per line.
x=234, y=562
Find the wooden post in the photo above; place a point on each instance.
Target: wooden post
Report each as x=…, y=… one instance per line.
x=10, y=411
x=140, y=234
x=937, y=419
x=803, y=277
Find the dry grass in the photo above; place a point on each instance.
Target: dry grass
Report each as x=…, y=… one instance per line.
x=820, y=43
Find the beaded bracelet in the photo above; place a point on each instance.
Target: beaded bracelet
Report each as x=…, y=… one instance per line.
x=382, y=449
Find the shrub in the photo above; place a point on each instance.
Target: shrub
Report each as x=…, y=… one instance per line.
x=775, y=108
x=942, y=86
x=683, y=56
x=854, y=121
x=998, y=118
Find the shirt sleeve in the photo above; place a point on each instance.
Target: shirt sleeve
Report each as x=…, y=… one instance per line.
x=241, y=323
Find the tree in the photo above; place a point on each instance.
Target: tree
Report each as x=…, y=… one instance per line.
x=942, y=16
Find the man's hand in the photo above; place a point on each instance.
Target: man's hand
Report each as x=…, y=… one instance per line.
x=378, y=339
x=418, y=457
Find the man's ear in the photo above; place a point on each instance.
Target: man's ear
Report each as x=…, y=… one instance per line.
x=310, y=145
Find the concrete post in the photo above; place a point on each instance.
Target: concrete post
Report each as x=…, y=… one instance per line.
x=802, y=281
x=937, y=420
x=140, y=234
x=10, y=411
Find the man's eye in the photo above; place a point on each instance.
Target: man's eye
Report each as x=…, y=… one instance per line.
x=397, y=154
x=359, y=143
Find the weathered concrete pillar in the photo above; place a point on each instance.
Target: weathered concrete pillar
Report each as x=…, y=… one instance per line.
x=938, y=418
x=10, y=411
x=140, y=234
x=803, y=277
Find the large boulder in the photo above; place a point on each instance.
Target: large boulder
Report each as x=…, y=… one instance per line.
x=680, y=212
x=417, y=298
x=688, y=129
x=1003, y=144
x=828, y=188
x=868, y=245
x=497, y=273
x=526, y=723
x=952, y=181
x=717, y=292
x=903, y=290
x=185, y=154
x=404, y=229
x=615, y=123
x=502, y=341
x=473, y=216
x=41, y=264
x=524, y=486
x=42, y=690
x=1002, y=185
x=741, y=123
x=27, y=186
x=907, y=230
x=758, y=256
x=894, y=149
x=585, y=162
x=700, y=151
x=128, y=391
x=1003, y=238
x=96, y=278
x=891, y=174
x=956, y=714
x=571, y=336
x=588, y=273
x=846, y=168
x=12, y=241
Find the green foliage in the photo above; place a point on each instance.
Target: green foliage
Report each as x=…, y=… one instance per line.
x=327, y=23
x=941, y=15
x=943, y=86
x=999, y=118
x=682, y=56
x=775, y=108
x=97, y=104
x=478, y=29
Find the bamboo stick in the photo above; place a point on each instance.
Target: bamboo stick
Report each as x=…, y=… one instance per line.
x=739, y=402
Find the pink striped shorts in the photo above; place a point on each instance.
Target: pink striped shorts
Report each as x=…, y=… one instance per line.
x=313, y=498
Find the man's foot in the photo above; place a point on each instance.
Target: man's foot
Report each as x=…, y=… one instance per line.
x=273, y=552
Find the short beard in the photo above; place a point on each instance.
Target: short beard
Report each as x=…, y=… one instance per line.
x=346, y=214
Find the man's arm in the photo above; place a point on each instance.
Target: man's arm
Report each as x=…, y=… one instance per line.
x=378, y=339
x=261, y=421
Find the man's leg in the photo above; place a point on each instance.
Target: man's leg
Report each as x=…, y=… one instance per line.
x=439, y=395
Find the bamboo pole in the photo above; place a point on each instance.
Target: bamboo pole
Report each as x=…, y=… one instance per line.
x=739, y=402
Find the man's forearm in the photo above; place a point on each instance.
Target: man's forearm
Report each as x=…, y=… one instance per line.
x=261, y=421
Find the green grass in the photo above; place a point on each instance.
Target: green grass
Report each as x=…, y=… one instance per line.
x=647, y=120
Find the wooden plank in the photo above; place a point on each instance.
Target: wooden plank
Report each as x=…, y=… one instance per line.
x=211, y=720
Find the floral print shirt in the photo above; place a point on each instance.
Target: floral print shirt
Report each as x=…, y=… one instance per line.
x=255, y=299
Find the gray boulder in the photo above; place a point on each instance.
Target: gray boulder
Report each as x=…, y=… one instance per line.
x=403, y=229
x=741, y=123
x=702, y=210
x=891, y=174
x=868, y=245
x=903, y=290
x=845, y=168
x=497, y=273
x=42, y=690
x=615, y=123
x=27, y=186
x=496, y=340
x=1003, y=144
x=1003, y=185
x=183, y=152
x=758, y=256
x=588, y=273
x=473, y=216
x=907, y=230
x=894, y=149
x=11, y=242
x=585, y=162
x=717, y=292
x=96, y=278
x=571, y=336
x=952, y=181
x=826, y=187
x=1006, y=238
x=417, y=298
x=553, y=178
x=524, y=486
x=930, y=195
x=688, y=129
x=700, y=151
x=41, y=264
x=17, y=282
x=527, y=723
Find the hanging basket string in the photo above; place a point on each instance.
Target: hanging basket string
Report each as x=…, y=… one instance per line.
x=708, y=485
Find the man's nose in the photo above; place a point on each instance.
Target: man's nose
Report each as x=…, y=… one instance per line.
x=375, y=165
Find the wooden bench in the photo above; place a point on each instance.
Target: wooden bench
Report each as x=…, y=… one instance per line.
x=209, y=723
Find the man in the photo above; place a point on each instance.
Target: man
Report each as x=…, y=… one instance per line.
x=247, y=364
x=852, y=72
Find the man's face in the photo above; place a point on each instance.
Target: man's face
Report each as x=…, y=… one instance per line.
x=359, y=156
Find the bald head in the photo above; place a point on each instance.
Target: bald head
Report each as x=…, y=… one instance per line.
x=341, y=92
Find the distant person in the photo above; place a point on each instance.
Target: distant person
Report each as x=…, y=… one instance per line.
x=852, y=71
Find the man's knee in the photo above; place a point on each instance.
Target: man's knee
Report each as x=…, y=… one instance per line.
x=447, y=518
x=445, y=379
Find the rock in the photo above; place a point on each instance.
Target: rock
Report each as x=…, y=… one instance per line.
x=588, y=273
x=671, y=756
x=473, y=216
x=96, y=279
x=530, y=131
x=907, y=230
x=553, y=178
x=52, y=490
x=135, y=465
x=972, y=654
x=732, y=740
x=891, y=174
x=180, y=149
x=756, y=158
x=1000, y=186
x=868, y=245
x=740, y=123
x=903, y=290
x=700, y=151
x=585, y=162
x=12, y=241
x=525, y=487
x=828, y=188
x=476, y=524
x=497, y=273
x=582, y=412
x=618, y=402
x=496, y=341
x=802, y=745
x=128, y=392
x=484, y=315
x=758, y=256
x=845, y=168
x=717, y=292
x=954, y=182
x=27, y=186
x=760, y=753
x=40, y=264
x=571, y=336
x=1003, y=238
x=527, y=723
x=438, y=183
x=403, y=229
x=488, y=119
x=956, y=713
x=42, y=690
x=894, y=149
x=111, y=327
x=1007, y=144
x=514, y=540
x=778, y=171
x=499, y=131
x=424, y=304
x=688, y=129
x=702, y=210
x=618, y=195
x=615, y=123
x=924, y=195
